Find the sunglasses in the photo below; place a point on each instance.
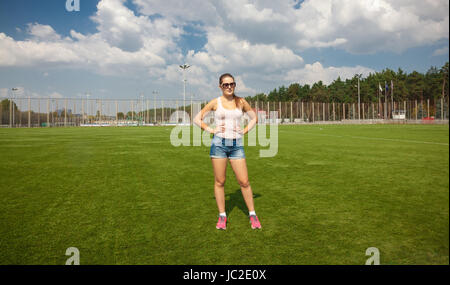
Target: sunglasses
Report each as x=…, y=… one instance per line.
x=229, y=85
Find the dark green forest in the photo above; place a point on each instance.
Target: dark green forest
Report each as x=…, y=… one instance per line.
x=406, y=87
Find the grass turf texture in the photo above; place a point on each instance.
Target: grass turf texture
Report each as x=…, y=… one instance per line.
x=127, y=196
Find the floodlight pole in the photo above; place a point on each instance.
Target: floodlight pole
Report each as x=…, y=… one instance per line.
x=10, y=110
x=359, y=102
x=392, y=99
x=87, y=107
x=13, y=109
x=184, y=67
x=154, y=103
x=142, y=107
x=385, y=101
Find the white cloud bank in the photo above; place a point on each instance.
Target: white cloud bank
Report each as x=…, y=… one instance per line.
x=258, y=37
x=355, y=26
x=315, y=72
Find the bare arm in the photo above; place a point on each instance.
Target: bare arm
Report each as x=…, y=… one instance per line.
x=251, y=114
x=198, y=120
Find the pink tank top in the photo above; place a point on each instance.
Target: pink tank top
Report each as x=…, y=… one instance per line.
x=231, y=118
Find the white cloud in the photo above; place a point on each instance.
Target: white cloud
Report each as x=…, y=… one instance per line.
x=124, y=43
x=355, y=26
x=55, y=95
x=253, y=29
x=180, y=12
x=30, y=52
x=121, y=28
x=315, y=72
x=242, y=88
x=42, y=32
x=441, y=51
x=4, y=93
x=253, y=39
x=371, y=26
x=225, y=51
x=244, y=11
x=362, y=27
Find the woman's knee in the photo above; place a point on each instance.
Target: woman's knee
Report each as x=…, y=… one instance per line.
x=244, y=183
x=219, y=182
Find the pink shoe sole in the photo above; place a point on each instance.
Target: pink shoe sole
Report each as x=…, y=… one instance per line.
x=222, y=223
x=255, y=222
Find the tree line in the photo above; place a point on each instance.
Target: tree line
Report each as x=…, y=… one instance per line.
x=406, y=87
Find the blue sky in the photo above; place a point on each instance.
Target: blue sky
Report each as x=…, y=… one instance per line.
x=19, y=13
x=120, y=49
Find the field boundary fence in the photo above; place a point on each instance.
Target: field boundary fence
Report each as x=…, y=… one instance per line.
x=70, y=112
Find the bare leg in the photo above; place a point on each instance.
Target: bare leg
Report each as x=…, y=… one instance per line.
x=240, y=170
x=220, y=168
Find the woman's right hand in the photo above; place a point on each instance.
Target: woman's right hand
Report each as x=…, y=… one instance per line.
x=219, y=129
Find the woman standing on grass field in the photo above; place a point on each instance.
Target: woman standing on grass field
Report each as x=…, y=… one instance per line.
x=227, y=144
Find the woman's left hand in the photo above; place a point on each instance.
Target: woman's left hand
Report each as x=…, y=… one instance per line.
x=239, y=130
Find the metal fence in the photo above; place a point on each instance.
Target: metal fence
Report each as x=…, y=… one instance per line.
x=65, y=112
x=301, y=112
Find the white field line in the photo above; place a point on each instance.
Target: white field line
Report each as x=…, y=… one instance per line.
x=381, y=139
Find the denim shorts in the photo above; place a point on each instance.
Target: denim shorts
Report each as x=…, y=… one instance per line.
x=227, y=148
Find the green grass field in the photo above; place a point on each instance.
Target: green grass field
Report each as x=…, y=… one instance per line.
x=127, y=196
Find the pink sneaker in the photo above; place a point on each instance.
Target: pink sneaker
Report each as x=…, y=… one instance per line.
x=255, y=222
x=222, y=223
